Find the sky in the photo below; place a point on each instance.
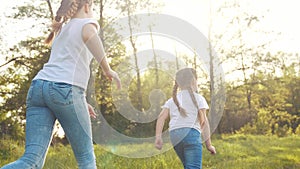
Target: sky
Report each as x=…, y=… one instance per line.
x=278, y=16
x=282, y=15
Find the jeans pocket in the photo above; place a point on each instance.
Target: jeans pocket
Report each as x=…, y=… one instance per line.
x=178, y=135
x=193, y=140
x=61, y=93
x=194, y=137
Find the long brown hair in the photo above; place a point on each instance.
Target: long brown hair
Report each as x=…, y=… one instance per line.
x=67, y=9
x=184, y=79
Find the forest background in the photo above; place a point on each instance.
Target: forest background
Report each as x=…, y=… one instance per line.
x=257, y=93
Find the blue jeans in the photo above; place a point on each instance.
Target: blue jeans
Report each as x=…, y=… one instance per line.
x=187, y=145
x=47, y=101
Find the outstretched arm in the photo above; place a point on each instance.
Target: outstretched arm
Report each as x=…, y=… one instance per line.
x=95, y=46
x=205, y=128
x=164, y=114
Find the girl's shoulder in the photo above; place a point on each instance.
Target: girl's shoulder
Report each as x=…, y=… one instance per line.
x=83, y=21
x=201, y=101
x=199, y=95
x=170, y=100
x=168, y=103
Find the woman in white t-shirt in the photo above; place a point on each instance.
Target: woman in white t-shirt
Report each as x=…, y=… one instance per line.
x=188, y=121
x=57, y=92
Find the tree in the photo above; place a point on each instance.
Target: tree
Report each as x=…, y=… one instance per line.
x=117, y=52
x=22, y=63
x=242, y=59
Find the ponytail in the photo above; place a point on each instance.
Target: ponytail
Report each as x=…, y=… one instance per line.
x=56, y=27
x=201, y=115
x=180, y=109
x=67, y=9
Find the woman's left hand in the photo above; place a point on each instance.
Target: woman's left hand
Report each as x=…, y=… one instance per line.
x=92, y=111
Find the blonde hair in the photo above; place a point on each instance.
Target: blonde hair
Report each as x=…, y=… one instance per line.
x=67, y=9
x=184, y=79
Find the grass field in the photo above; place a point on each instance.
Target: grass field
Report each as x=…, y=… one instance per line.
x=233, y=152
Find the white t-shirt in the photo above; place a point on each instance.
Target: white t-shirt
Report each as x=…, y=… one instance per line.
x=70, y=58
x=185, y=101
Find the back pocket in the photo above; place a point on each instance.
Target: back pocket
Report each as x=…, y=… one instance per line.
x=61, y=93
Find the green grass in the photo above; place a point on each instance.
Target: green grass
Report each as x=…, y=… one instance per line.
x=233, y=152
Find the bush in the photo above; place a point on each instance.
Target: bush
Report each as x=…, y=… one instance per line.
x=269, y=123
x=261, y=125
x=297, y=131
x=10, y=150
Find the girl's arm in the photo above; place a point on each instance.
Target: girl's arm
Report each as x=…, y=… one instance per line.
x=206, y=131
x=164, y=114
x=95, y=46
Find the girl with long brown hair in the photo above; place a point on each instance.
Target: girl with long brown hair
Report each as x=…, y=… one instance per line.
x=187, y=111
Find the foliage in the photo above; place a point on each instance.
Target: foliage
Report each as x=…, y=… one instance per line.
x=10, y=150
x=297, y=131
x=24, y=60
x=278, y=113
x=16, y=81
x=266, y=80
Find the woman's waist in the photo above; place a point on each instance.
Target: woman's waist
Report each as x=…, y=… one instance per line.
x=179, y=129
x=71, y=84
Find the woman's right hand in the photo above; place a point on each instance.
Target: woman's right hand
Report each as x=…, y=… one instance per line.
x=211, y=149
x=158, y=143
x=112, y=75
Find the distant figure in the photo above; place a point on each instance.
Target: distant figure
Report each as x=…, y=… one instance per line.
x=58, y=90
x=188, y=121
